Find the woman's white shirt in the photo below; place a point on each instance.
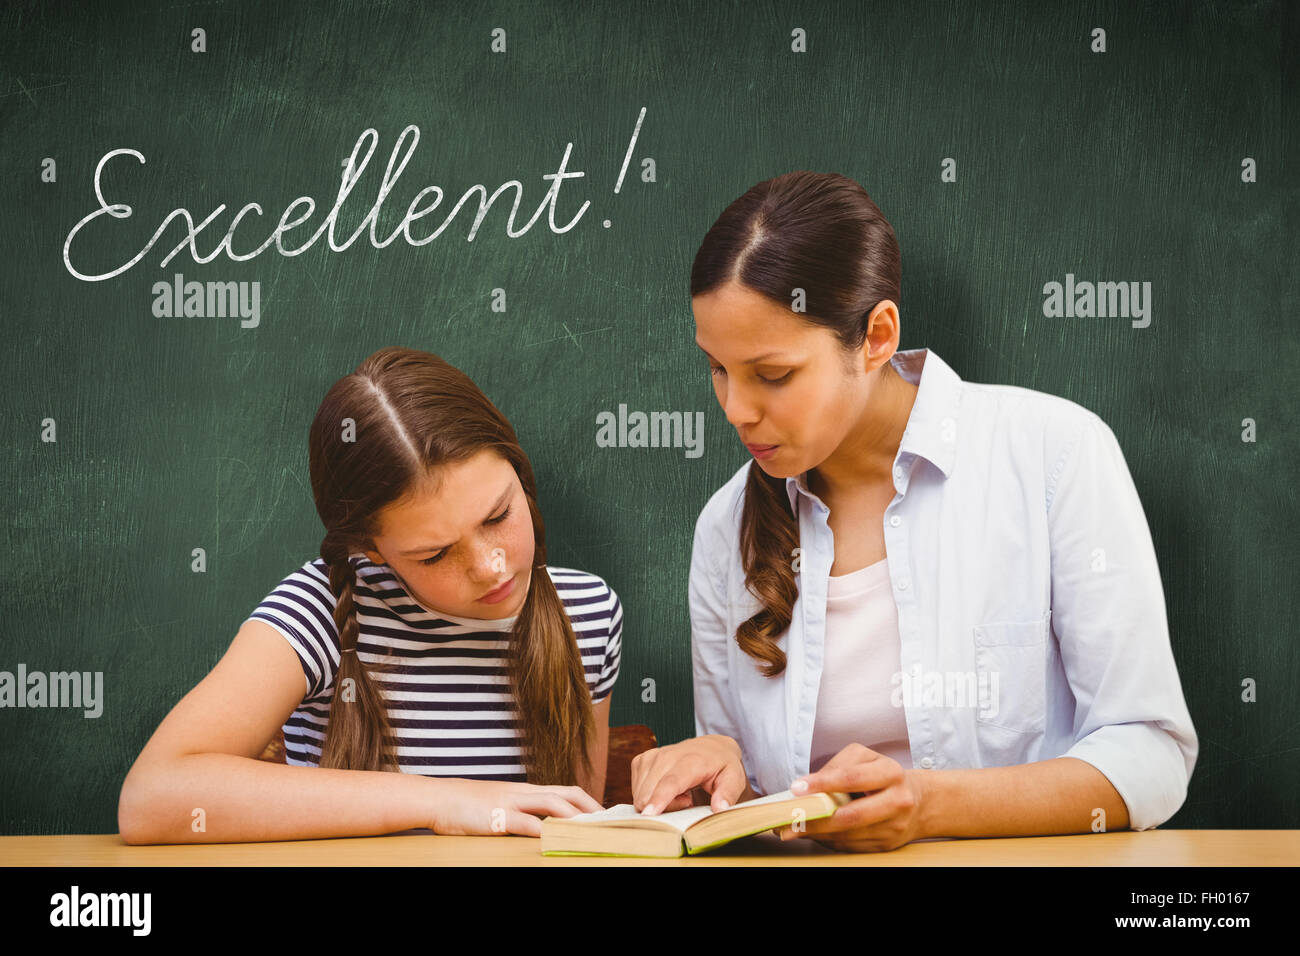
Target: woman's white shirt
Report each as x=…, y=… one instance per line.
x=1031, y=617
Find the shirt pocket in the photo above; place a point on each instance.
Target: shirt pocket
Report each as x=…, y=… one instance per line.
x=1011, y=673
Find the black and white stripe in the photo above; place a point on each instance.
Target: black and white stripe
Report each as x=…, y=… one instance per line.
x=450, y=707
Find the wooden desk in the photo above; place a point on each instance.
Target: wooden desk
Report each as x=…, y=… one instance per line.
x=422, y=848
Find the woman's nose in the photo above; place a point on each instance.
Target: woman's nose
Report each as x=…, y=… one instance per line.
x=738, y=409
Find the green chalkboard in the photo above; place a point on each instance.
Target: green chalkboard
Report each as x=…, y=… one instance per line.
x=1007, y=146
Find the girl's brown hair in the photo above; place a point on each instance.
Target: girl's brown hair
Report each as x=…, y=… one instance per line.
x=819, y=232
x=378, y=434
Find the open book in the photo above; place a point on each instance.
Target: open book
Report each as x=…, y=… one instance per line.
x=622, y=831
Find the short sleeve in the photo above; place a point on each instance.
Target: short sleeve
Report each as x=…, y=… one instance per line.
x=1108, y=614
x=301, y=608
x=613, y=651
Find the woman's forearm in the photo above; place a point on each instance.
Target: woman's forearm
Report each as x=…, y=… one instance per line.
x=223, y=798
x=1060, y=795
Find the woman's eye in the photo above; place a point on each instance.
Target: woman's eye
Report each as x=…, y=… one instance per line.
x=718, y=370
x=435, y=559
x=776, y=381
x=501, y=517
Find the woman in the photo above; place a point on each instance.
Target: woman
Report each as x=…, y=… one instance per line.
x=938, y=596
x=430, y=640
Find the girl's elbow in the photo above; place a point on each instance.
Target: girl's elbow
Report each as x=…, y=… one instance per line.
x=136, y=811
x=130, y=825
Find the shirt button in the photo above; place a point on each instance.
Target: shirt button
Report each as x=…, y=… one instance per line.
x=895, y=520
x=898, y=473
x=926, y=763
x=902, y=585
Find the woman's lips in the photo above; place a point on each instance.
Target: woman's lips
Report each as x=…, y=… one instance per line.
x=762, y=451
x=499, y=594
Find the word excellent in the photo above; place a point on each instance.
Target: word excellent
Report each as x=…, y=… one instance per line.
x=352, y=170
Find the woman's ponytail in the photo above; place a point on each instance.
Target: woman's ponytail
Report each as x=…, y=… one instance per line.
x=768, y=538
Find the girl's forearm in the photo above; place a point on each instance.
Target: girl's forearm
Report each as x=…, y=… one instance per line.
x=223, y=798
x=1060, y=795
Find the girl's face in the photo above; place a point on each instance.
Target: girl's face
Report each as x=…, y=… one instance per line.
x=464, y=545
x=783, y=381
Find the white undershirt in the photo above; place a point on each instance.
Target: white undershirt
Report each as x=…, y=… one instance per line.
x=861, y=657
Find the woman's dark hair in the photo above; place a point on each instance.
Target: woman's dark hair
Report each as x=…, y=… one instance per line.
x=821, y=233
x=378, y=434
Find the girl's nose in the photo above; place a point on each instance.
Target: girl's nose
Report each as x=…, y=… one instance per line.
x=490, y=563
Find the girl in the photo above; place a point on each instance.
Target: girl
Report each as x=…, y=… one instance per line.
x=937, y=596
x=432, y=636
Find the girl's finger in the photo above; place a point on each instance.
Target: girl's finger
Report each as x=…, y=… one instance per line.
x=550, y=803
x=581, y=799
x=522, y=824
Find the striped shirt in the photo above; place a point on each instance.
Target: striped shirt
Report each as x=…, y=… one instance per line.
x=450, y=705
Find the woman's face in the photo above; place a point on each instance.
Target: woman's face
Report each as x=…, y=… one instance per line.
x=783, y=381
x=453, y=543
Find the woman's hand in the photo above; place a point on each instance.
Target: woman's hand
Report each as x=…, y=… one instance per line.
x=474, y=807
x=665, y=778
x=886, y=813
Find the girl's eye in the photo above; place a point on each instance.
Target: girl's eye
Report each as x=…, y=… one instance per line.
x=497, y=520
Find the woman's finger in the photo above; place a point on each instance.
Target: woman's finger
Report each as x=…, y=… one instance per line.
x=851, y=778
x=863, y=812
x=726, y=788
x=642, y=768
x=681, y=777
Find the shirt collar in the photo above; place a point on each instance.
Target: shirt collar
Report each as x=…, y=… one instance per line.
x=931, y=431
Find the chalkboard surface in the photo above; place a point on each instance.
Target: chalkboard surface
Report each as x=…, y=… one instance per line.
x=1010, y=148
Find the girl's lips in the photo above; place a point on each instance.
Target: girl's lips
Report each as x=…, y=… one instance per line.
x=500, y=594
x=762, y=451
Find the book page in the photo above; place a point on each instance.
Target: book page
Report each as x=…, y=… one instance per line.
x=770, y=798
x=678, y=819
x=625, y=812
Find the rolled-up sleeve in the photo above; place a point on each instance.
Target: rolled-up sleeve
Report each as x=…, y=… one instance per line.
x=1108, y=614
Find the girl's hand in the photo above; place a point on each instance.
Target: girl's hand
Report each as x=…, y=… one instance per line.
x=886, y=813
x=664, y=779
x=474, y=807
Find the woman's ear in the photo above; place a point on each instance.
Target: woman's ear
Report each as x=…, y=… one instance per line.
x=882, y=333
